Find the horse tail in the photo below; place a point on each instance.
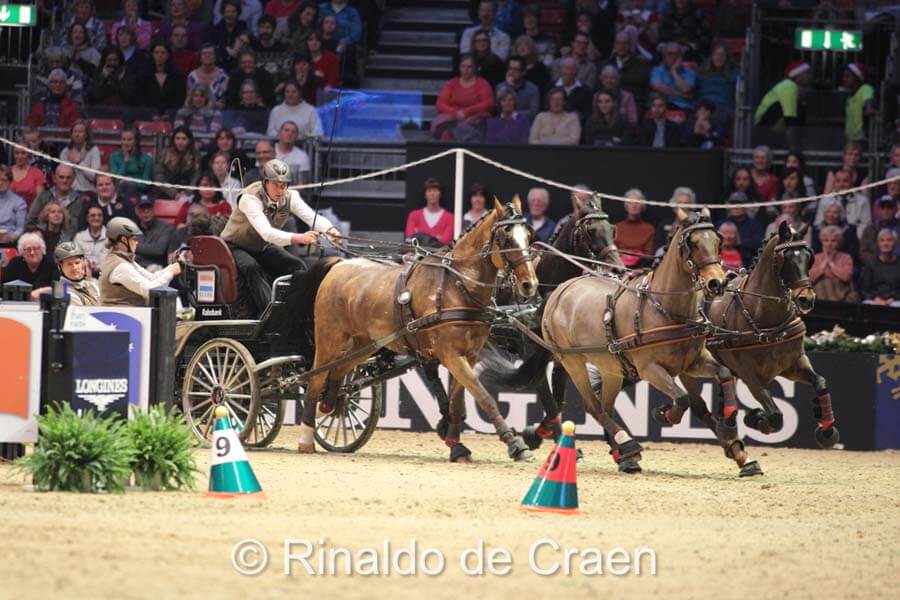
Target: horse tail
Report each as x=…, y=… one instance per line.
x=498, y=371
x=305, y=287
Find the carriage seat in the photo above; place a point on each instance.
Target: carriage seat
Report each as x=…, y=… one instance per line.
x=212, y=251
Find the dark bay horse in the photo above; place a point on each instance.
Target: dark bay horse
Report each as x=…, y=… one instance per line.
x=762, y=335
x=589, y=234
x=649, y=327
x=434, y=308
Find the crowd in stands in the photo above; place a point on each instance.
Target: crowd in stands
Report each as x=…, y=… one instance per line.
x=619, y=74
x=629, y=73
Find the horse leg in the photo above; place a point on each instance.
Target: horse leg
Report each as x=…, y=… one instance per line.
x=461, y=368
x=454, y=421
x=329, y=382
x=626, y=452
x=826, y=433
x=725, y=429
x=767, y=419
x=550, y=425
x=433, y=381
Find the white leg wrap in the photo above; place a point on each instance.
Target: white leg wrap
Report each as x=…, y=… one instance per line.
x=621, y=437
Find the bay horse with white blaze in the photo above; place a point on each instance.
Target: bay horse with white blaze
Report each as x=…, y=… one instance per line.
x=434, y=307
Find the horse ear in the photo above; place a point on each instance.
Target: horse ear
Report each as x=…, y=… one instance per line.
x=498, y=207
x=681, y=214
x=597, y=202
x=704, y=212
x=801, y=233
x=784, y=232
x=517, y=202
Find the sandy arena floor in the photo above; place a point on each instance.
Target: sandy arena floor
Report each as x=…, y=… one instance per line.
x=818, y=524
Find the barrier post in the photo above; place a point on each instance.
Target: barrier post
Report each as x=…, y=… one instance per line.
x=162, y=354
x=458, y=194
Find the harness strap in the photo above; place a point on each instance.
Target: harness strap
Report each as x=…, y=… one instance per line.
x=789, y=330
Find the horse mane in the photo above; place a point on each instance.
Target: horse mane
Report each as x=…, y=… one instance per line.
x=469, y=229
x=761, y=251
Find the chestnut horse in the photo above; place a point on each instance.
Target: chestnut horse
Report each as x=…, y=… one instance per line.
x=434, y=308
x=650, y=327
x=762, y=333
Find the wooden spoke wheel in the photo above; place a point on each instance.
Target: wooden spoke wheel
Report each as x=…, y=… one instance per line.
x=220, y=373
x=267, y=425
x=354, y=418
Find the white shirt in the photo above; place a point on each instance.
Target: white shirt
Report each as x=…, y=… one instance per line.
x=304, y=115
x=252, y=207
x=231, y=189
x=84, y=181
x=95, y=250
x=139, y=280
x=857, y=211
x=499, y=41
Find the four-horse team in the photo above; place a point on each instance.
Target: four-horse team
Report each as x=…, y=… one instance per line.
x=600, y=323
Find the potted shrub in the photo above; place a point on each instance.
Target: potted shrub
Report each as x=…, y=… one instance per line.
x=78, y=453
x=162, y=446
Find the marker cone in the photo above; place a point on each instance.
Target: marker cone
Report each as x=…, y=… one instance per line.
x=555, y=488
x=230, y=475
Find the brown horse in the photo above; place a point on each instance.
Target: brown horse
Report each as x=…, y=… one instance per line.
x=762, y=333
x=650, y=328
x=434, y=308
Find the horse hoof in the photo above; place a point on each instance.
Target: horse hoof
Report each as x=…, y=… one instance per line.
x=304, y=448
x=459, y=453
x=756, y=419
x=579, y=456
x=659, y=415
x=442, y=427
x=750, y=469
x=629, y=465
x=827, y=438
x=518, y=450
x=531, y=438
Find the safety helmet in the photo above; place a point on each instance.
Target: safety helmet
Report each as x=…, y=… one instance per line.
x=119, y=227
x=277, y=170
x=66, y=250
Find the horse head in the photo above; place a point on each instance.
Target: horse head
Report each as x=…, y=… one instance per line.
x=510, y=246
x=699, y=245
x=594, y=237
x=793, y=260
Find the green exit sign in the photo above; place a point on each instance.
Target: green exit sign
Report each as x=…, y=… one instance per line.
x=17, y=15
x=828, y=39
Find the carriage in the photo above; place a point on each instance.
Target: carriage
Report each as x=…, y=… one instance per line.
x=252, y=368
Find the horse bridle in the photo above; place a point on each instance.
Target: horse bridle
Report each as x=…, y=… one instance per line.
x=684, y=247
x=579, y=233
x=801, y=284
x=499, y=233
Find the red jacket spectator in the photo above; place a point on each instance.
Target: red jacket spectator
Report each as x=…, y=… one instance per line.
x=68, y=114
x=442, y=230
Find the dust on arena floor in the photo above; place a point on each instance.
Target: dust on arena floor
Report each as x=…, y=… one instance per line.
x=819, y=523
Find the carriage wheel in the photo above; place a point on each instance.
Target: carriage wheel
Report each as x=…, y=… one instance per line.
x=267, y=425
x=220, y=373
x=355, y=415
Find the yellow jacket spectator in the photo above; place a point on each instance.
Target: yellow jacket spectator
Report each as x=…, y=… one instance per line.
x=860, y=103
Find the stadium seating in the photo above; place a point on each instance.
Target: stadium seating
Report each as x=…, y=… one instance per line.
x=173, y=212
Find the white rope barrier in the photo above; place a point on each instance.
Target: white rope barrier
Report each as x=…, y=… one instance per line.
x=476, y=156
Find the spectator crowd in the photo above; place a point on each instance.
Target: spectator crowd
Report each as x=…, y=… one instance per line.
x=627, y=73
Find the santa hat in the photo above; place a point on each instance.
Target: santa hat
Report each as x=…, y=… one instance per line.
x=858, y=69
x=796, y=68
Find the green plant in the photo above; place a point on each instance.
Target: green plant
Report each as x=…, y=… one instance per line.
x=78, y=453
x=163, y=450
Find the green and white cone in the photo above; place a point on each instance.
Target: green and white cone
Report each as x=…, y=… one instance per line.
x=231, y=473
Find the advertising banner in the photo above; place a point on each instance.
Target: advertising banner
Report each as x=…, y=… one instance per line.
x=21, y=331
x=859, y=403
x=133, y=320
x=99, y=375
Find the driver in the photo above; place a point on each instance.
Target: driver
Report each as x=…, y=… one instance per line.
x=83, y=291
x=123, y=282
x=255, y=230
